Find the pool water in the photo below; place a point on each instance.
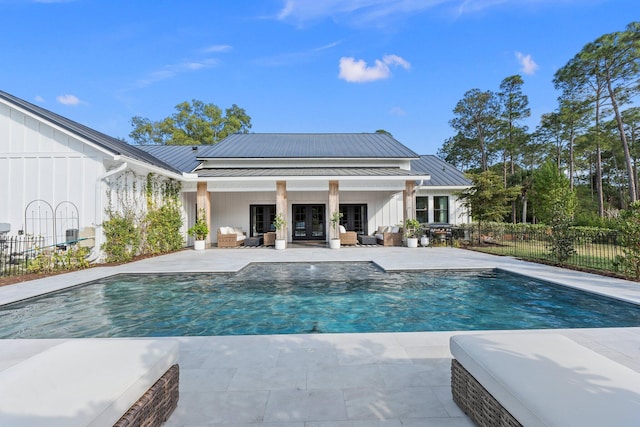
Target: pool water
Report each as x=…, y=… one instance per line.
x=309, y=298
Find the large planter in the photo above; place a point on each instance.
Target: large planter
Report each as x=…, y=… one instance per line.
x=281, y=244
x=412, y=242
x=334, y=243
x=198, y=245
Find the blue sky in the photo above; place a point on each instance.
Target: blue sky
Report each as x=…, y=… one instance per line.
x=293, y=65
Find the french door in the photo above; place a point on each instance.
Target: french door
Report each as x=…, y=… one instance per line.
x=309, y=222
x=262, y=217
x=354, y=218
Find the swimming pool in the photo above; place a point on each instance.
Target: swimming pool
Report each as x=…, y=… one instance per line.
x=309, y=298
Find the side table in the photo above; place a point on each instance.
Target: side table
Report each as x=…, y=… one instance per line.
x=253, y=241
x=367, y=240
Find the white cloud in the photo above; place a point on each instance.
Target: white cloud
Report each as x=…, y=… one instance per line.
x=357, y=12
x=357, y=71
x=173, y=70
x=528, y=65
x=384, y=12
x=397, y=111
x=68, y=99
x=296, y=57
x=219, y=48
x=40, y=99
x=328, y=46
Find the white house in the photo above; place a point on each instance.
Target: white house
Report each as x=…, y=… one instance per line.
x=59, y=175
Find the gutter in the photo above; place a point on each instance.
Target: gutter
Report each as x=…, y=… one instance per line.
x=99, y=235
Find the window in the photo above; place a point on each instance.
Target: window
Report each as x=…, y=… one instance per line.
x=354, y=218
x=262, y=217
x=422, y=209
x=441, y=209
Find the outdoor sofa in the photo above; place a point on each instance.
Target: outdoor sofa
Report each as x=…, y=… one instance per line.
x=540, y=379
x=230, y=237
x=389, y=235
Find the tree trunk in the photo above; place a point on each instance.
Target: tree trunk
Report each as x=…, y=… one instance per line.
x=571, y=161
x=599, y=191
x=625, y=144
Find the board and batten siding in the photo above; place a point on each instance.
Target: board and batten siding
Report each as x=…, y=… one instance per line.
x=38, y=161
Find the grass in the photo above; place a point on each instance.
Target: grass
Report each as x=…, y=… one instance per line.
x=591, y=256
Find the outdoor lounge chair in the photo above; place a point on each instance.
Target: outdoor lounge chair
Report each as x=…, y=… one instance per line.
x=93, y=382
x=545, y=380
x=230, y=237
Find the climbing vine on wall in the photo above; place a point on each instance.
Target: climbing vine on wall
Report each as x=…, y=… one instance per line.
x=144, y=217
x=163, y=220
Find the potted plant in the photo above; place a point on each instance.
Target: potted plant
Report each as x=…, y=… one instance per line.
x=199, y=231
x=334, y=242
x=411, y=231
x=279, y=224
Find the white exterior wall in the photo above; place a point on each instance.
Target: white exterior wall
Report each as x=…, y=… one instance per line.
x=383, y=208
x=40, y=162
x=189, y=214
x=457, y=213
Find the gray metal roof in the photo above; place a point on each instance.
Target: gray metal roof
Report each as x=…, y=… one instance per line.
x=303, y=172
x=308, y=145
x=181, y=157
x=112, y=145
x=442, y=173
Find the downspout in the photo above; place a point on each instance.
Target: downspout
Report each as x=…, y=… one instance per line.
x=96, y=252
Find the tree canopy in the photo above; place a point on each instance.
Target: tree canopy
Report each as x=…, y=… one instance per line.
x=592, y=137
x=487, y=199
x=193, y=123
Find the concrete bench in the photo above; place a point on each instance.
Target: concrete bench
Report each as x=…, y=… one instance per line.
x=541, y=380
x=92, y=382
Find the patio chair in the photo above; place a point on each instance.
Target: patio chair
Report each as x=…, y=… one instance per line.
x=230, y=237
x=348, y=237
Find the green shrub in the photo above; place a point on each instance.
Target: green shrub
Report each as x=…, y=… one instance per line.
x=162, y=228
x=629, y=226
x=122, y=237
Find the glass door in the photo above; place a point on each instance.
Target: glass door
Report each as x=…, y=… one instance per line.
x=262, y=217
x=309, y=222
x=354, y=218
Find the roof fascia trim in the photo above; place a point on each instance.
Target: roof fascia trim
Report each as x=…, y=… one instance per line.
x=316, y=178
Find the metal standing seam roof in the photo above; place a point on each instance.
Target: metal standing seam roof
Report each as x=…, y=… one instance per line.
x=442, y=173
x=181, y=157
x=111, y=144
x=308, y=145
x=304, y=172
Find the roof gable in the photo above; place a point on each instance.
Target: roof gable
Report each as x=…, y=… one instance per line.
x=105, y=142
x=308, y=145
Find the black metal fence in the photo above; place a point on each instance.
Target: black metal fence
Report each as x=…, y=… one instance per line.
x=16, y=252
x=595, y=249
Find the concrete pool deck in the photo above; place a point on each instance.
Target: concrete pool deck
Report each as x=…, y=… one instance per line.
x=326, y=380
